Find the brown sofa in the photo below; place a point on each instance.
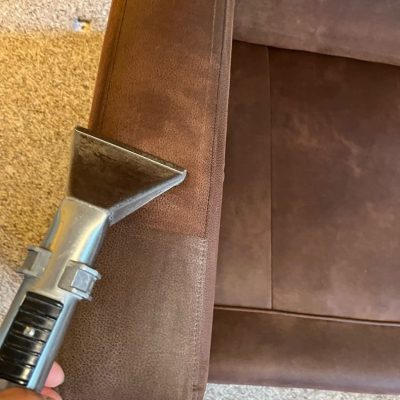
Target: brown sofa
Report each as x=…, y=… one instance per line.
x=302, y=116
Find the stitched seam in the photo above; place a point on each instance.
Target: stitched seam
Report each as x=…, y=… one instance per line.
x=213, y=149
x=111, y=70
x=327, y=318
x=206, y=101
x=271, y=183
x=196, y=361
x=195, y=380
x=199, y=290
x=200, y=296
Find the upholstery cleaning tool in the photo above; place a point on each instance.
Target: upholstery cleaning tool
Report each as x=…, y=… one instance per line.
x=107, y=182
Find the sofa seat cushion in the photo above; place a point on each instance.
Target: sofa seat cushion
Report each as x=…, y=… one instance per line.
x=281, y=349
x=311, y=208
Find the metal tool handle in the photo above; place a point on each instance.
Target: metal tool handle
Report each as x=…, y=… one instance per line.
x=35, y=325
x=57, y=276
x=107, y=182
x=35, y=332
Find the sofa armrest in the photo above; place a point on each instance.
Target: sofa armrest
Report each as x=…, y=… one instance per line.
x=163, y=88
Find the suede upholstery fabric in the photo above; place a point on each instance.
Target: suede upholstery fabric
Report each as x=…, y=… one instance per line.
x=244, y=258
x=278, y=349
x=332, y=320
x=336, y=186
x=307, y=272
x=162, y=87
x=362, y=29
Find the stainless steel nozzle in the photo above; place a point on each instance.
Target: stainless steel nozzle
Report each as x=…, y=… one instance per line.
x=107, y=182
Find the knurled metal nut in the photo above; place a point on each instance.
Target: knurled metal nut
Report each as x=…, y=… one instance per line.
x=79, y=279
x=36, y=261
x=83, y=281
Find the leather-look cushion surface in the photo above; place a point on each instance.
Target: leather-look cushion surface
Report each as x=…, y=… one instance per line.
x=277, y=349
x=332, y=175
x=336, y=186
x=244, y=258
x=362, y=29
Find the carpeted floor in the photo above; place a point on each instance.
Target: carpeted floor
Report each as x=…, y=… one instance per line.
x=47, y=78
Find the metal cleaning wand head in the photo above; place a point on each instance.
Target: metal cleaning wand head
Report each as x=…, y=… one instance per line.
x=107, y=182
x=113, y=177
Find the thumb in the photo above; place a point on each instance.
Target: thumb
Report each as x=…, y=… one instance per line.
x=20, y=394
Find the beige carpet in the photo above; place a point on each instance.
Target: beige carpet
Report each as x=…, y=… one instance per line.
x=46, y=83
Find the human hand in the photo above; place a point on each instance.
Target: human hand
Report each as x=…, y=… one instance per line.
x=56, y=378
